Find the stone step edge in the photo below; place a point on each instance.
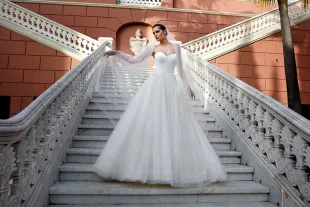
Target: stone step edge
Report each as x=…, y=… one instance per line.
x=123, y=109
x=97, y=151
x=89, y=116
x=105, y=138
x=88, y=168
x=105, y=126
x=241, y=204
x=103, y=188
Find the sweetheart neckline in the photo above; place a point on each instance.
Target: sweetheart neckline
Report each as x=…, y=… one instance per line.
x=165, y=54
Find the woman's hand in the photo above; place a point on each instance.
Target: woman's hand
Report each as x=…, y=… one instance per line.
x=191, y=93
x=110, y=53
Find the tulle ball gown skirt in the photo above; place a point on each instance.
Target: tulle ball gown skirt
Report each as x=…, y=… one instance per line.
x=158, y=141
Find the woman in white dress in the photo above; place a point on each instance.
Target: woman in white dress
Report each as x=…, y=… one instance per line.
x=158, y=140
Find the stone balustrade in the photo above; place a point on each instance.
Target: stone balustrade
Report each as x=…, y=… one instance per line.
x=141, y=2
x=243, y=33
x=30, y=140
x=281, y=136
x=43, y=29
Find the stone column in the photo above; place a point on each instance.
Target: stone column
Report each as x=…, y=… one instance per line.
x=109, y=39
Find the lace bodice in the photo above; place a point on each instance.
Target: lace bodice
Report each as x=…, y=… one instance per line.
x=165, y=63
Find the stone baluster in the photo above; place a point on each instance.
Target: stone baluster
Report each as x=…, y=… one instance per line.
x=241, y=30
x=7, y=167
x=19, y=179
x=268, y=143
x=50, y=29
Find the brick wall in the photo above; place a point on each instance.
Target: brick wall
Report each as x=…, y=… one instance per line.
x=105, y=22
x=261, y=64
x=28, y=68
x=222, y=5
x=207, y=5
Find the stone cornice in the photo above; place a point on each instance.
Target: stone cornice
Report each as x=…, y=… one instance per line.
x=136, y=7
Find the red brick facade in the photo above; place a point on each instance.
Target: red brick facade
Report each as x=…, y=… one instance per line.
x=261, y=64
x=28, y=68
x=105, y=22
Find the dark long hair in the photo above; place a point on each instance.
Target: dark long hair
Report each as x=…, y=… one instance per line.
x=161, y=26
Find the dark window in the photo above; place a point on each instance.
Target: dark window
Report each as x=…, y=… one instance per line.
x=5, y=107
x=306, y=110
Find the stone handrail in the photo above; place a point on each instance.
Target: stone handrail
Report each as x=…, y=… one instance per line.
x=30, y=140
x=243, y=33
x=280, y=136
x=45, y=30
x=141, y=2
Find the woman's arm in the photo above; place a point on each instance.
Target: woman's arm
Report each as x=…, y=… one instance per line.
x=142, y=55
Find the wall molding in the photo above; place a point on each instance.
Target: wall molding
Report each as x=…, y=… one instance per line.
x=122, y=6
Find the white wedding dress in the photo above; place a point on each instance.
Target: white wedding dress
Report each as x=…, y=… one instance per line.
x=158, y=140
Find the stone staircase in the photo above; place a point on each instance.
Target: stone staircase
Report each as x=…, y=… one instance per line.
x=78, y=186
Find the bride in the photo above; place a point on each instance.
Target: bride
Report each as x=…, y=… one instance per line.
x=158, y=140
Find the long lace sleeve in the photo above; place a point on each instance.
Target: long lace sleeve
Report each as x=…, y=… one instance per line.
x=184, y=72
x=140, y=60
x=180, y=69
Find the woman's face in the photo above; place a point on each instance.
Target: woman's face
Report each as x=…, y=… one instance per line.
x=159, y=34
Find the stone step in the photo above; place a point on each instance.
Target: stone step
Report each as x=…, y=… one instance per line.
x=127, y=93
x=118, y=113
x=110, y=97
x=132, y=70
x=105, y=119
x=85, y=192
x=126, y=75
x=105, y=101
x=124, y=78
x=111, y=91
x=105, y=130
x=90, y=155
x=110, y=113
x=105, y=138
x=128, y=72
x=128, y=82
x=120, y=97
x=99, y=142
x=228, y=204
x=111, y=84
x=118, y=87
x=85, y=172
x=122, y=107
x=96, y=101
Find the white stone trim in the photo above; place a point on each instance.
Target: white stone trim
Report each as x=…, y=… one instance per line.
x=243, y=33
x=279, y=179
x=136, y=7
x=140, y=2
x=31, y=142
x=42, y=39
x=264, y=123
x=45, y=31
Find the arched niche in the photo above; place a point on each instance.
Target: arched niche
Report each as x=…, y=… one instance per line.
x=128, y=30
